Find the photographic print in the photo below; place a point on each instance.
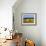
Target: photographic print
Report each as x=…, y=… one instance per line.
x=29, y=19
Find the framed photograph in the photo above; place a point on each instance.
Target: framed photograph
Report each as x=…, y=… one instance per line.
x=29, y=19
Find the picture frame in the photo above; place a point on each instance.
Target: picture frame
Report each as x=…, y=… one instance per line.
x=29, y=19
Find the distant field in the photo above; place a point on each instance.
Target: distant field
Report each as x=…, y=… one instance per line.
x=28, y=20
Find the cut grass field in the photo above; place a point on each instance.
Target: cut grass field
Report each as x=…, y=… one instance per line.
x=28, y=20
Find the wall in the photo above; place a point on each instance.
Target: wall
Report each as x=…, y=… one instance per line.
x=6, y=13
x=6, y=16
x=29, y=32
x=43, y=22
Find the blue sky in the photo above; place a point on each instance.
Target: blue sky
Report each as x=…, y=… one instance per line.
x=28, y=16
